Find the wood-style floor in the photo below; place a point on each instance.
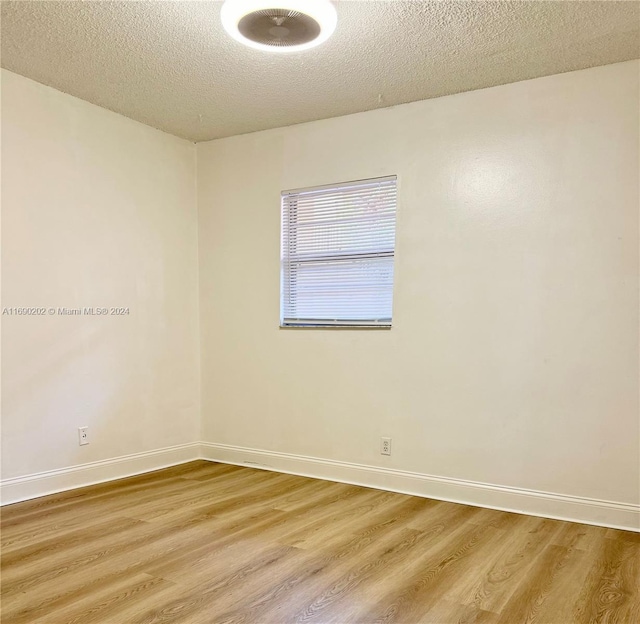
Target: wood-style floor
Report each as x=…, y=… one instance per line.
x=208, y=543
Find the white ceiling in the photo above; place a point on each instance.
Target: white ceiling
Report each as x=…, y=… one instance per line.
x=170, y=65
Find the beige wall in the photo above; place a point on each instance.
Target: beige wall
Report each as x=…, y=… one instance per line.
x=98, y=210
x=513, y=359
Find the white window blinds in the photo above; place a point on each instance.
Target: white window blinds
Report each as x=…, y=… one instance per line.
x=338, y=245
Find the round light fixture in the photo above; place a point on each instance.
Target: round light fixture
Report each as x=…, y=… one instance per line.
x=279, y=25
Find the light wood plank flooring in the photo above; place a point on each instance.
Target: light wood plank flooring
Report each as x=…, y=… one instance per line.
x=208, y=543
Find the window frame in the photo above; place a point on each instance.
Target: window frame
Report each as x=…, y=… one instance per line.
x=338, y=324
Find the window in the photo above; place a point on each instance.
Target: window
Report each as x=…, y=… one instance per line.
x=338, y=245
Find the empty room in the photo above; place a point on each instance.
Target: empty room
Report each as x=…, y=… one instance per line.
x=320, y=312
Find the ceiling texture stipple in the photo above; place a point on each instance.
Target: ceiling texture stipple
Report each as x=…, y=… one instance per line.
x=171, y=65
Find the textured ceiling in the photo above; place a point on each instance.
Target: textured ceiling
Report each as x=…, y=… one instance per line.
x=170, y=65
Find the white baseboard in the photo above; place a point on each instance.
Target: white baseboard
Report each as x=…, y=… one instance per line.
x=53, y=481
x=546, y=504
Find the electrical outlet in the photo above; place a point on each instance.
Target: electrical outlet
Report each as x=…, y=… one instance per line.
x=385, y=446
x=83, y=435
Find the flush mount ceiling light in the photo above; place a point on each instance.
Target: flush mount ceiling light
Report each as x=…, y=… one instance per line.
x=279, y=25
